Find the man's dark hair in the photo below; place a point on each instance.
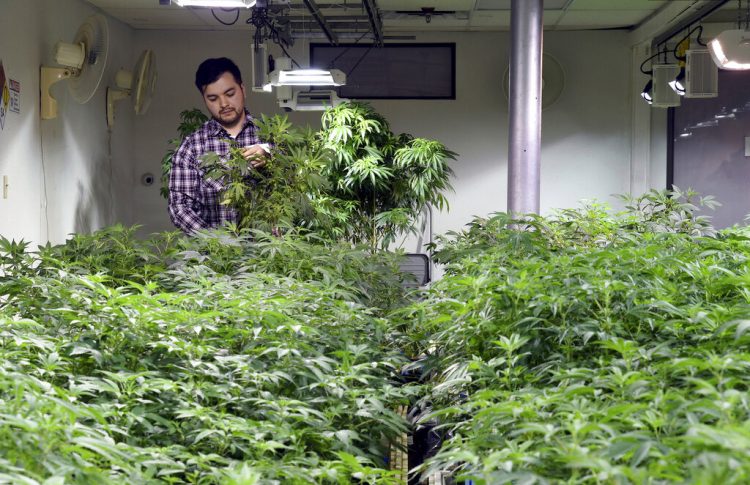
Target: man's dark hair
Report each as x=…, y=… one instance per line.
x=212, y=69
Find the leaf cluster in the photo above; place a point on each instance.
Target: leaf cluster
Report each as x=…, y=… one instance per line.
x=586, y=347
x=353, y=180
x=213, y=359
x=277, y=195
x=379, y=181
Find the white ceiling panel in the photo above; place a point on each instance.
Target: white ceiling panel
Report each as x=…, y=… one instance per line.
x=418, y=24
x=418, y=4
x=603, y=19
x=131, y=4
x=618, y=5
x=149, y=16
x=505, y=4
x=500, y=19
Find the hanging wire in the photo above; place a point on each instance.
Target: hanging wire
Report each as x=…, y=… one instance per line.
x=658, y=53
x=331, y=64
x=348, y=74
x=687, y=36
x=227, y=10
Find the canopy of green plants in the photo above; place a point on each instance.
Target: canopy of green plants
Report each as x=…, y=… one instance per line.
x=207, y=360
x=590, y=348
x=583, y=347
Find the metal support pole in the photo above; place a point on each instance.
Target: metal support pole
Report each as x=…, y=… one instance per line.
x=525, y=137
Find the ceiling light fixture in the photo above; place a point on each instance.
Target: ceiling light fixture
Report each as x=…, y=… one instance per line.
x=678, y=83
x=731, y=49
x=647, y=92
x=216, y=3
x=284, y=75
x=308, y=77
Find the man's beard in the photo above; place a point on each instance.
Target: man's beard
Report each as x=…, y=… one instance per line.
x=224, y=121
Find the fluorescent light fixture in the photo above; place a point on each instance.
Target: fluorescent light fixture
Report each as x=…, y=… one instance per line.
x=678, y=83
x=731, y=50
x=647, y=92
x=308, y=77
x=216, y=3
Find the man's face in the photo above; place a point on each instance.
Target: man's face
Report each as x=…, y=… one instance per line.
x=225, y=100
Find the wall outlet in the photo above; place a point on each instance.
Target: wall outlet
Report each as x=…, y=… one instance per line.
x=5, y=186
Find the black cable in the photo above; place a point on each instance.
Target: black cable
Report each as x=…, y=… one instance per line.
x=658, y=53
x=677, y=45
x=227, y=10
x=359, y=61
x=331, y=64
x=289, y=55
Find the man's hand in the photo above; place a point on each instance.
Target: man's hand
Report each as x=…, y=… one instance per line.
x=257, y=154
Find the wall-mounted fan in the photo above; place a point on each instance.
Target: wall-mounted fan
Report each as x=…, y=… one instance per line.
x=138, y=84
x=84, y=62
x=553, y=81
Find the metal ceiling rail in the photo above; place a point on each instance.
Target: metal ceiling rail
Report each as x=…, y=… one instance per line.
x=688, y=21
x=375, y=21
x=315, y=12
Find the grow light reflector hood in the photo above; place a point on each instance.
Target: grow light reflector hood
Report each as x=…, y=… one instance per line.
x=216, y=3
x=731, y=50
x=308, y=77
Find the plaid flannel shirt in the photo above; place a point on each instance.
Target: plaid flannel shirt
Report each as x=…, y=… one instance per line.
x=193, y=197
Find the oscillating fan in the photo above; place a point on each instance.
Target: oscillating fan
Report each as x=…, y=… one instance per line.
x=553, y=81
x=138, y=84
x=85, y=60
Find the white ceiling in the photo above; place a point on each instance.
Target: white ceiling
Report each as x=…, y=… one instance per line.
x=397, y=15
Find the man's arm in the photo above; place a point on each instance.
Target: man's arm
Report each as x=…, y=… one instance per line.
x=184, y=190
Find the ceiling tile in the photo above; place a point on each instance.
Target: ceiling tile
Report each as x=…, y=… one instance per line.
x=417, y=5
x=151, y=4
x=490, y=18
x=618, y=5
x=505, y=4
x=148, y=16
x=501, y=18
x=603, y=19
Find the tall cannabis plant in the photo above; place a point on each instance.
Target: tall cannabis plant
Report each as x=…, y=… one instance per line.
x=379, y=181
x=276, y=195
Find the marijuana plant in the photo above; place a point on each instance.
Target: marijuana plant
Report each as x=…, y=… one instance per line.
x=379, y=181
x=278, y=194
x=190, y=120
x=354, y=180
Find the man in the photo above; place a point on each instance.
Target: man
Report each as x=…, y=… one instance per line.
x=194, y=198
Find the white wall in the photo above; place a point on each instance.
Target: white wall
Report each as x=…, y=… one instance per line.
x=586, y=134
x=83, y=190
x=585, y=137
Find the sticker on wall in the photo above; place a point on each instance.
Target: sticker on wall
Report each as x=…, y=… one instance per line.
x=15, y=96
x=4, y=96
